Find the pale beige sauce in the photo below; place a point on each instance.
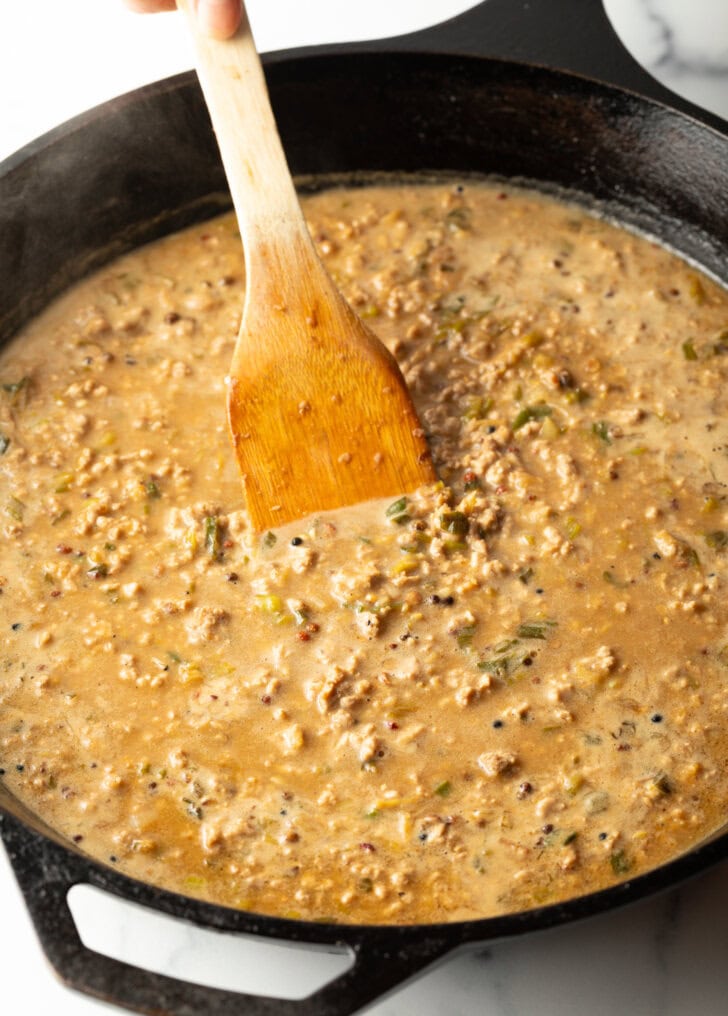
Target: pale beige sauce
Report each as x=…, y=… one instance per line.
x=513, y=697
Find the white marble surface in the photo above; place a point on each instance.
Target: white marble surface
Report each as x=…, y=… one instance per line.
x=662, y=957
x=683, y=43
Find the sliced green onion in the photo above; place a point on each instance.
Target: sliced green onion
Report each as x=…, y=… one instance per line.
x=213, y=537
x=718, y=539
x=621, y=864
x=534, y=629
x=529, y=413
x=15, y=386
x=396, y=507
x=601, y=430
x=455, y=522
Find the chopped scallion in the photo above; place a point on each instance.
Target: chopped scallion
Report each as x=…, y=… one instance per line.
x=14, y=387
x=478, y=408
x=396, y=508
x=15, y=508
x=213, y=537
x=718, y=539
x=464, y=635
x=534, y=629
x=455, y=522
x=601, y=430
x=529, y=413
x=621, y=864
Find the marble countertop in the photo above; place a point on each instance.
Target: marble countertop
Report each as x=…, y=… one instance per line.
x=662, y=957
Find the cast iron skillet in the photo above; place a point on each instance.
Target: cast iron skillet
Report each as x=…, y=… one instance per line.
x=470, y=96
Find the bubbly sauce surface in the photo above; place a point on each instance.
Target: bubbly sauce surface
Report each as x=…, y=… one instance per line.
x=499, y=692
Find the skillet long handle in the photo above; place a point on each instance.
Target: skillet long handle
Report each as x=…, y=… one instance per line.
x=568, y=35
x=383, y=958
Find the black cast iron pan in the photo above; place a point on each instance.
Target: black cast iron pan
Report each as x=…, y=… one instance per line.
x=474, y=95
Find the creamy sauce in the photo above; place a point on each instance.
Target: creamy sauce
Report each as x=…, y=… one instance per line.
x=500, y=692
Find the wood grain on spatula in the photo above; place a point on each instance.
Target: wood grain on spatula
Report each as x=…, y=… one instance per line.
x=319, y=412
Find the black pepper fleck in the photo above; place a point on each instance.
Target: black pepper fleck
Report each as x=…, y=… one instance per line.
x=656, y=717
x=497, y=724
x=296, y=541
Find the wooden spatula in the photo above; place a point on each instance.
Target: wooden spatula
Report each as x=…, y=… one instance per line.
x=319, y=412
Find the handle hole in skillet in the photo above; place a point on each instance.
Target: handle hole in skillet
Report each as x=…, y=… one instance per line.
x=138, y=936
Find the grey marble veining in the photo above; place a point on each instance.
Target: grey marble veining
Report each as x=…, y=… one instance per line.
x=683, y=43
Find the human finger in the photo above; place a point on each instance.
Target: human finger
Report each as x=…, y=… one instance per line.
x=151, y=6
x=218, y=18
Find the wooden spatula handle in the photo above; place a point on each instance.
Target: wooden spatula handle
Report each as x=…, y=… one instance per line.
x=234, y=86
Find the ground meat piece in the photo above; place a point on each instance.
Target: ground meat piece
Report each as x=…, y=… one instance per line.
x=204, y=621
x=497, y=763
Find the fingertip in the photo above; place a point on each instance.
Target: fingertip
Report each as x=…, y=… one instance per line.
x=219, y=18
x=151, y=6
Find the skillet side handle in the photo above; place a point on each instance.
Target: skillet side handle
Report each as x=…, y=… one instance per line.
x=46, y=872
x=568, y=35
